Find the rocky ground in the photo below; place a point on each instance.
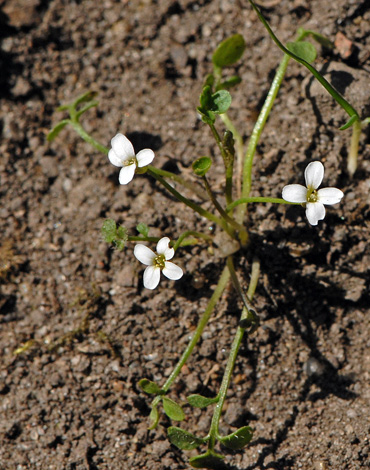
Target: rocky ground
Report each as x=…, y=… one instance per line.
x=78, y=330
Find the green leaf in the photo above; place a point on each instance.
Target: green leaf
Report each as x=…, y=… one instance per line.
x=86, y=108
x=209, y=81
x=229, y=83
x=229, y=51
x=111, y=234
x=208, y=460
x=109, y=230
x=205, y=99
x=173, y=410
x=198, y=401
x=182, y=439
x=154, y=418
x=56, y=130
x=207, y=116
x=221, y=101
x=88, y=96
x=143, y=229
x=150, y=387
x=238, y=439
x=323, y=40
x=202, y=165
x=303, y=49
x=349, y=123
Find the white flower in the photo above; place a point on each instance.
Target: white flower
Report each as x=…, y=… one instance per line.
x=313, y=199
x=157, y=262
x=122, y=154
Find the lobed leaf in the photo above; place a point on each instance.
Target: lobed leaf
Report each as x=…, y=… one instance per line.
x=143, y=229
x=109, y=230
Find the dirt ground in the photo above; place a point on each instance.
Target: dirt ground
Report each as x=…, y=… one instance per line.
x=78, y=330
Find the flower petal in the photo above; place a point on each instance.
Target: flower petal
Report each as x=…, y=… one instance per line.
x=114, y=158
x=315, y=211
x=122, y=147
x=314, y=174
x=172, y=271
x=144, y=254
x=144, y=157
x=164, y=249
x=330, y=195
x=295, y=193
x=127, y=173
x=151, y=277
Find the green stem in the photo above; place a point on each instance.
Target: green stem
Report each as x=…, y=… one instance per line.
x=222, y=283
x=228, y=165
x=333, y=92
x=218, y=206
x=187, y=184
x=87, y=138
x=191, y=204
x=239, y=147
x=353, y=151
x=247, y=200
x=188, y=234
x=258, y=128
x=213, y=433
x=237, y=286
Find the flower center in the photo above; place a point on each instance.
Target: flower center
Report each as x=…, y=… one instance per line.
x=312, y=195
x=129, y=161
x=159, y=261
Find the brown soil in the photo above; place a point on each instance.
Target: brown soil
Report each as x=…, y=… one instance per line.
x=75, y=310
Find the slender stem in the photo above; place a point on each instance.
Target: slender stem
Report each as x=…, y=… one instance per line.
x=338, y=98
x=188, y=234
x=237, y=286
x=138, y=238
x=224, y=279
x=218, y=206
x=239, y=147
x=187, y=184
x=260, y=124
x=254, y=278
x=247, y=200
x=87, y=138
x=228, y=165
x=213, y=433
x=353, y=150
x=195, y=207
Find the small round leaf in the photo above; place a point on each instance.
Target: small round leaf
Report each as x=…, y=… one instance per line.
x=202, y=165
x=221, y=101
x=229, y=51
